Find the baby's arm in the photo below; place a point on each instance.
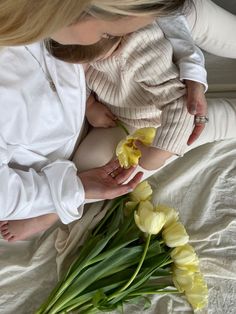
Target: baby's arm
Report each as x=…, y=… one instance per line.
x=98, y=115
x=161, y=80
x=191, y=61
x=187, y=55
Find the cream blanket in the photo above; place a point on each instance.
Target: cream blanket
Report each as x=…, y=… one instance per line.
x=201, y=185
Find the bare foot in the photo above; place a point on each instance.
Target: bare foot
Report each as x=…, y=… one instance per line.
x=15, y=230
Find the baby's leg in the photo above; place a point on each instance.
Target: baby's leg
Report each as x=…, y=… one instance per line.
x=221, y=126
x=222, y=122
x=97, y=148
x=213, y=28
x=15, y=230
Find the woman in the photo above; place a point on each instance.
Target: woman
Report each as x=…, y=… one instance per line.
x=39, y=129
x=46, y=187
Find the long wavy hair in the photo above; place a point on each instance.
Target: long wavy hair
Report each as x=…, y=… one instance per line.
x=27, y=21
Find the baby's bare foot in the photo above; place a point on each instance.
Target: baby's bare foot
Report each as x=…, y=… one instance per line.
x=15, y=230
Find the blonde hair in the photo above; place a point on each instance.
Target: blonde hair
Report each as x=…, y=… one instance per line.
x=26, y=21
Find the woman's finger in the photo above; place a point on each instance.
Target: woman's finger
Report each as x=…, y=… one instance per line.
x=111, y=166
x=124, y=174
x=192, y=107
x=196, y=133
x=126, y=188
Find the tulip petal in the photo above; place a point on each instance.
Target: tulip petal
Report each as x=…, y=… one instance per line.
x=175, y=235
x=147, y=219
x=127, y=153
x=142, y=192
x=185, y=257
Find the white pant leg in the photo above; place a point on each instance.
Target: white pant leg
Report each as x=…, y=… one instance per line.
x=222, y=122
x=221, y=126
x=213, y=28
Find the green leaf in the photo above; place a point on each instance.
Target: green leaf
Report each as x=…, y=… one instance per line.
x=98, y=296
x=113, y=281
x=92, y=274
x=126, y=229
x=114, y=204
x=160, y=272
x=117, y=218
x=147, y=303
x=139, y=281
x=89, y=252
x=109, y=252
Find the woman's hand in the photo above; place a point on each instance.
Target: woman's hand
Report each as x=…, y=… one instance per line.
x=107, y=182
x=98, y=115
x=197, y=105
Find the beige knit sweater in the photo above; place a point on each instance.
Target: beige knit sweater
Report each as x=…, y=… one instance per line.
x=141, y=86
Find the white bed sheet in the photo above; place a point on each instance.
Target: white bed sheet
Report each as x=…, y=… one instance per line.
x=201, y=185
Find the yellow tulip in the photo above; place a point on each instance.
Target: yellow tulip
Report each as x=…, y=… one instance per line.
x=142, y=192
x=183, y=279
x=185, y=258
x=127, y=152
x=145, y=135
x=129, y=207
x=147, y=219
x=198, y=294
x=171, y=214
x=175, y=235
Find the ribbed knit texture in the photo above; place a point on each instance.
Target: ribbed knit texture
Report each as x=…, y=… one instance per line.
x=140, y=85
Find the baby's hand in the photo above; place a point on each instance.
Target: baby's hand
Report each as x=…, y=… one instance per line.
x=152, y=158
x=197, y=105
x=99, y=115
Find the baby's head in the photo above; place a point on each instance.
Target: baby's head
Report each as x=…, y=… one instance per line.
x=83, y=54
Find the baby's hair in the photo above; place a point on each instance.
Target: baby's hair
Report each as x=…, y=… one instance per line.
x=27, y=21
x=81, y=53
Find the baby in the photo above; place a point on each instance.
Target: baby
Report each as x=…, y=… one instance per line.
x=135, y=81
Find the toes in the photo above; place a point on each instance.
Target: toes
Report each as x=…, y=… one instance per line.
x=4, y=228
x=3, y=223
x=8, y=236
x=12, y=239
x=4, y=232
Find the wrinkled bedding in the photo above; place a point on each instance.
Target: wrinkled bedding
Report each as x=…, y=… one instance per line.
x=201, y=185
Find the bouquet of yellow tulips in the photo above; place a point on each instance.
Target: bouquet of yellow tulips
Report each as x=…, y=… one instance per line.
x=126, y=257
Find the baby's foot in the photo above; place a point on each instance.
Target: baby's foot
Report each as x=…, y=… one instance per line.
x=15, y=230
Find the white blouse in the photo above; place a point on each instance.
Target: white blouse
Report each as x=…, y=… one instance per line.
x=38, y=132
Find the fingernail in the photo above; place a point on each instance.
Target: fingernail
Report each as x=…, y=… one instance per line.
x=193, y=110
x=130, y=190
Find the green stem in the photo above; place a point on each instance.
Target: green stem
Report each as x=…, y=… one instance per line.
x=121, y=125
x=136, y=271
x=154, y=292
x=166, y=263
